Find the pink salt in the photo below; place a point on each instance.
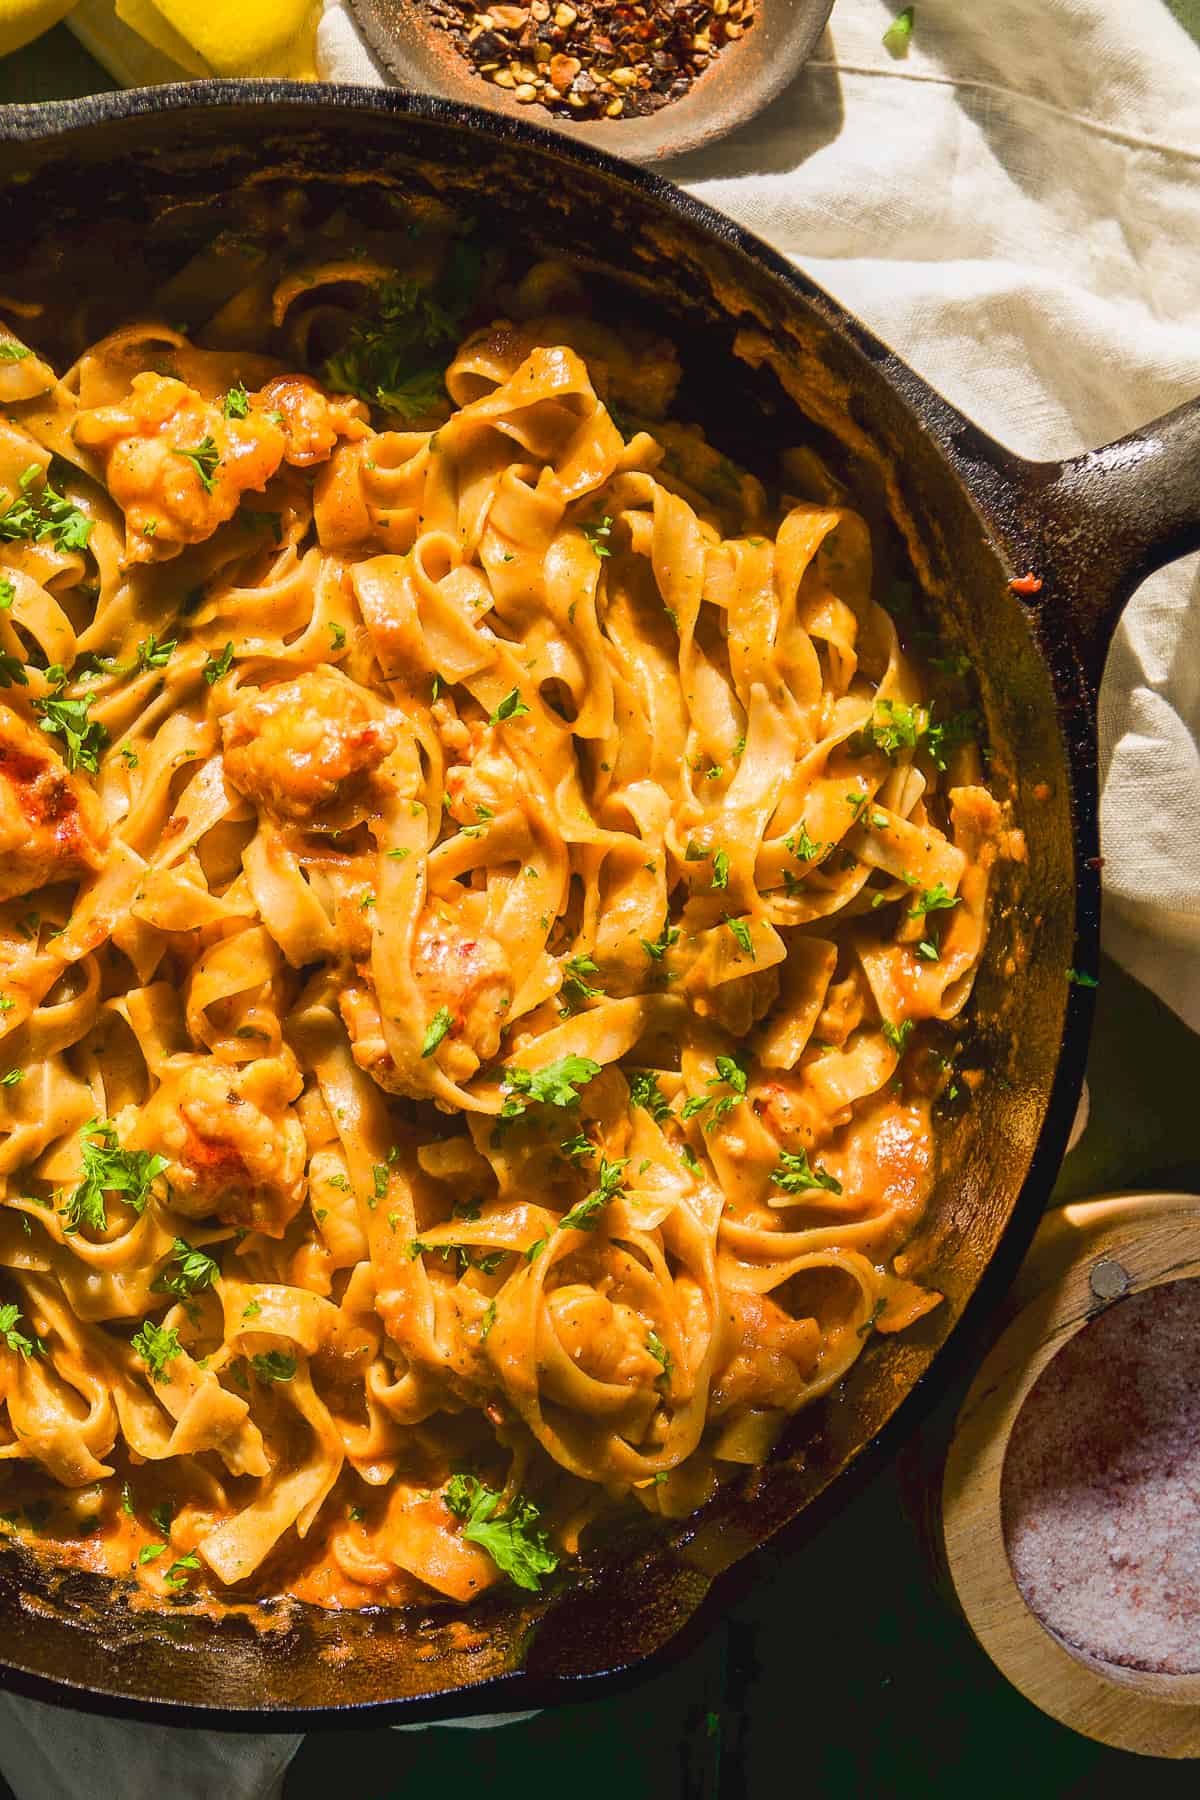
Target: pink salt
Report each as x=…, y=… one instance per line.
x=1100, y=1491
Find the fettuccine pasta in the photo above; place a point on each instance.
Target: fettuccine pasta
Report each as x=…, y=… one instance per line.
x=479, y=885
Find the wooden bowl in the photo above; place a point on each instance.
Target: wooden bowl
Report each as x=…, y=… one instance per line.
x=744, y=78
x=1084, y=1257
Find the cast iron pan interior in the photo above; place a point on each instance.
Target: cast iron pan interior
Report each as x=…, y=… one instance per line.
x=84, y=170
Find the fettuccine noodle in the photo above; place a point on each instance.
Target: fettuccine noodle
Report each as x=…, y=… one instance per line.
x=471, y=902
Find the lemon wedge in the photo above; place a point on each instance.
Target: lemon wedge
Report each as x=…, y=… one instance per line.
x=245, y=37
x=144, y=17
x=23, y=20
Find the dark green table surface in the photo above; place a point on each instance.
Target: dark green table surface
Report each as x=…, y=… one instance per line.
x=844, y=1672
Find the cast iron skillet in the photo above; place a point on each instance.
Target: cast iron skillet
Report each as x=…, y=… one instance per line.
x=971, y=517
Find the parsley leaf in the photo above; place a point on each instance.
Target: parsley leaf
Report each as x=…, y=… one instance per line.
x=217, y=666
x=177, y=1575
x=151, y=654
x=557, y=1084
x=16, y=1340
x=720, y=867
x=12, y=669
x=659, y=1351
x=598, y=529
x=236, y=403
x=11, y=351
x=276, y=1365
x=195, y=1271
x=508, y=1537
x=960, y=729
x=794, y=1173
x=86, y=739
x=47, y=515
x=436, y=1030
x=741, y=932
x=107, y=1169
x=896, y=38
x=801, y=845
x=157, y=1347
x=893, y=727
x=1078, y=978
x=898, y=1035
x=576, y=989
x=668, y=936
x=511, y=707
x=205, y=458
x=583, y=1216
x=386, y=358
x=933, y=899
x=645, y=1092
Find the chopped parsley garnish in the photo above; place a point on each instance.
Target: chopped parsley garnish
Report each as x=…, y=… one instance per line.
x=150, y=654
x=436, y=1030
x=741, y=932
x=645, y=1092
x=928, y=950
x=387, y=358
x=730, y=1074
x=579, y=1147
x=150, y=1553
x=1078, y=978
x=398, y=855
x=576, y=989
x=11, y=1078
x=192, y=1271
x=338, y=634
x=85, y=739
x=236, y=403
x=178, y=1573
x=896, y=38
x=157, y=1347
x=557, y=1084
x=961, y=729
x=8, y=593
x=934, y=899
x=608, y=1185
x=511, y=707
x=668, y=936
x=205, y=458
x=508, y=1536
x=894, y=727
x=107, y=1169
x=217, y=666
x=276, y=1365
x=801, y=845
x=720, y=869
x=12, y=669
x=16, y=1340
x=11, y=351
x=794, y=1173
x=898, y=1035
x=48, y=514
x=598, y=529
x=487, y=1321
x=660, y=1353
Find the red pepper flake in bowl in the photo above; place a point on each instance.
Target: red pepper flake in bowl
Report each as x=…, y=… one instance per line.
x=591, y=59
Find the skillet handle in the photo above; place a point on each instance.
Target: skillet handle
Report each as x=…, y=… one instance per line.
x=1103, y=521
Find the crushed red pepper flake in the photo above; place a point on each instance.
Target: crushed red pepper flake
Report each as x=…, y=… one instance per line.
x=1026, y=584
x=616, y=59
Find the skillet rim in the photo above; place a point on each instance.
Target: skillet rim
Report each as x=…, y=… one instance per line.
x=989, y=478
